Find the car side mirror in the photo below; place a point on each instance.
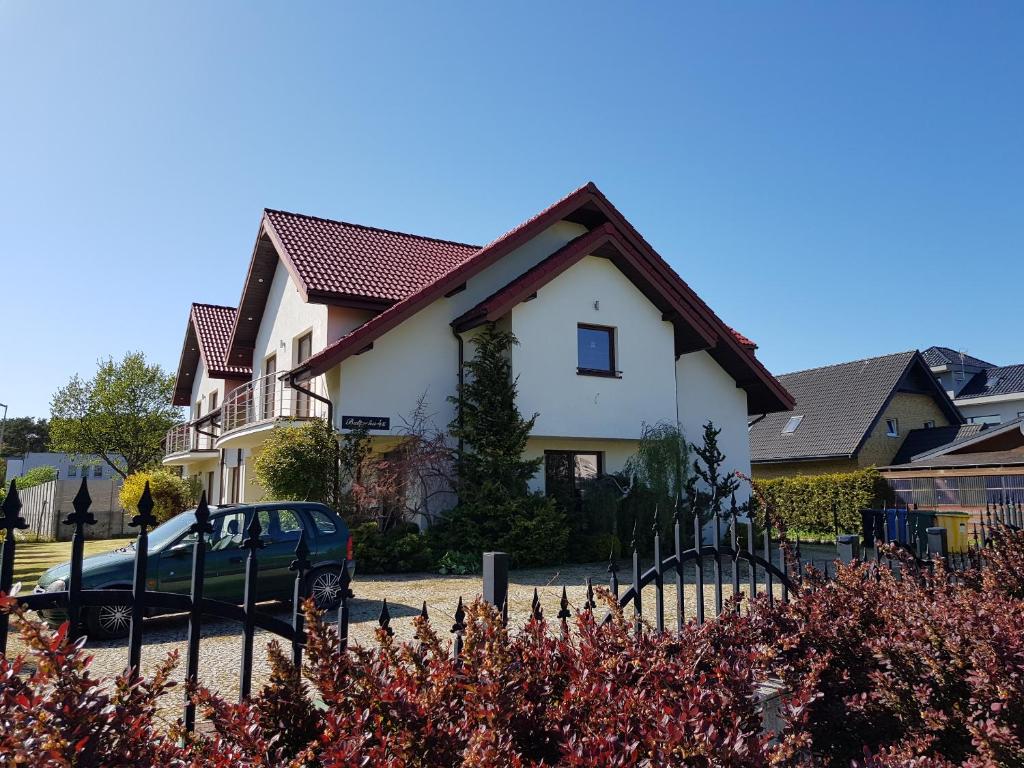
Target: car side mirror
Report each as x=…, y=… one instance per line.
x=180, y=550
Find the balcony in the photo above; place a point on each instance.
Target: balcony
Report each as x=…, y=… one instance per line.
x=185, y=443
x=260, y=404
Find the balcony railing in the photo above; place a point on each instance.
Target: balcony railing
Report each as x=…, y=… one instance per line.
x=269, y=398
x=183, y=438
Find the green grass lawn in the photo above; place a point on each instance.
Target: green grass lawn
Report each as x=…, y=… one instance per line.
x=31, y=558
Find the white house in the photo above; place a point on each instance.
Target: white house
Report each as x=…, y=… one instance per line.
x=356, y=324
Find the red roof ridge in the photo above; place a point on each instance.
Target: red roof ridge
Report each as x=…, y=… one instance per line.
x=371, y=228
x=439, y=286
x=213, y=306
x=701, y=315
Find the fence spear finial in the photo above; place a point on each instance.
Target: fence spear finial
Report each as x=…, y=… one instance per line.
x=252, y=540
x=384, y=620
x=11, y=520
x=145, y=519
x=538, y=612
x=564, y=612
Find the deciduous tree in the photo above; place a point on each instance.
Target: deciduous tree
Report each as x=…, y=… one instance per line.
x=124, y=409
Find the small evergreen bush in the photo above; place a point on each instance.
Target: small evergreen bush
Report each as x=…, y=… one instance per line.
x=401, y=549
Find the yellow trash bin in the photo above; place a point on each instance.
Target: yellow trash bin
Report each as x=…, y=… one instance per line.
x=958, y=529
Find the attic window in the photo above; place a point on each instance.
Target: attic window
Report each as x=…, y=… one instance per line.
x=892, y=427
x=792, y=424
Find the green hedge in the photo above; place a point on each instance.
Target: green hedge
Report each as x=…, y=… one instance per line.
x=805, y=503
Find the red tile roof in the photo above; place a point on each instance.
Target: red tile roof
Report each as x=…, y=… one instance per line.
x=206, y=339
x=213, y=324
x=743, y=340
x=734, y=352
x=335, y=258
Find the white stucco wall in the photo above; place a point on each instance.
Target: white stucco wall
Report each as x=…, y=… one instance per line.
x=705, y=391
x=202, y=386
x=342, y=321
x=545, y=361
x=286, y=318
x=421, y=355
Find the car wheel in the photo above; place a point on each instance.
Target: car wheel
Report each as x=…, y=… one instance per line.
x=325, y=588
x=107, y=622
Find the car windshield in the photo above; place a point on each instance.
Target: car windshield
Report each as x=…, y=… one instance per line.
x=163, y=534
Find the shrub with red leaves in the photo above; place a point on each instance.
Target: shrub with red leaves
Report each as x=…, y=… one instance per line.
x=878, y=672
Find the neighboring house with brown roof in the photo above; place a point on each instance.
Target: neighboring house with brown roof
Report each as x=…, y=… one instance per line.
x=984, y=393
x=850, y=416
x=978, y=464
x=356, y=324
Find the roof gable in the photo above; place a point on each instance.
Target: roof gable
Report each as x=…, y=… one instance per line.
x=939, y=357
x=335, y=262
x=840, y=405
x=610, y=234
x=206, y=340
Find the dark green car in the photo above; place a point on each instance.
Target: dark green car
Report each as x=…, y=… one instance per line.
x=170, y=560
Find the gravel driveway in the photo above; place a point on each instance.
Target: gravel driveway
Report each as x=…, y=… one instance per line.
x=221, y=644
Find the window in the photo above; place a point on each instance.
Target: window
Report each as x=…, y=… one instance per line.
x=97, y=471
x=595, y=348
x=792, y=424
x=323, y=523
x=566, y=474
x=993, y=419
x=279, y=525
x=72, y=470
x=892, y=427
x=228, y=531
x=213, y=400
x=269, y=387
x=929, y=424
x=303, y=351
x=304, y=348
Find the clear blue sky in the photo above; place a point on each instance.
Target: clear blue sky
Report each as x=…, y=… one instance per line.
x=837, y=180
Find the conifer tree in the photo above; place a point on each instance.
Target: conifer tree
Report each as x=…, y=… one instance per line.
x=717, y=487
x=496, y=509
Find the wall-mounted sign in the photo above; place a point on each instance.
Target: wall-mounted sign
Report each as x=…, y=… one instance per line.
x=366, y=422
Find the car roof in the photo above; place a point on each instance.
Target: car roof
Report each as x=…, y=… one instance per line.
x=271, y=505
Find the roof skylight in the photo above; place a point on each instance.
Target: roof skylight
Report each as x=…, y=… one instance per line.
x=792, y=424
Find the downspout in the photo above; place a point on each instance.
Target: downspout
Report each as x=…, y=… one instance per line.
x=679, y=429
x=462, y=381
x=290, y=380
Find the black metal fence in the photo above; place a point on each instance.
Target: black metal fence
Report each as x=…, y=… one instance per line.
x=740, y=559
x=140, y=599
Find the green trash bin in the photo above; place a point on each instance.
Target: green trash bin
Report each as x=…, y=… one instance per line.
x=918, y=523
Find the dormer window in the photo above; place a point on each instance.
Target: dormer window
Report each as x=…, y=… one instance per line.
x=792, y=424
x=892, y=428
